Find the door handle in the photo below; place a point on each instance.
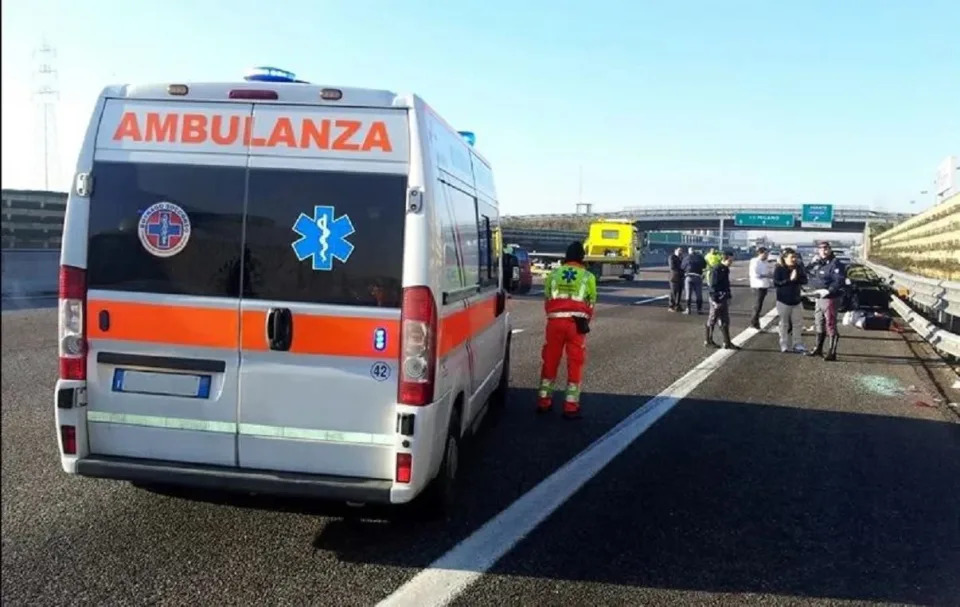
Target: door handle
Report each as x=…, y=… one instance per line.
x=279, y=328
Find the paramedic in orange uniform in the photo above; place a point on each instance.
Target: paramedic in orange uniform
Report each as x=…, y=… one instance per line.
x=570, y=293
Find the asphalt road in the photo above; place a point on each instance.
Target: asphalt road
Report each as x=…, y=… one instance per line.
x=780, y=480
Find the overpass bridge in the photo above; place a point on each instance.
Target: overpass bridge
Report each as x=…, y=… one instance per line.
x=768, y=217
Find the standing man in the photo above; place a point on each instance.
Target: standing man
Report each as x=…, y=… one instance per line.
x=676, y=279
x=570, y=293
x=693, y=266
x=720, y=296
x=829, y=277
x=761, y=281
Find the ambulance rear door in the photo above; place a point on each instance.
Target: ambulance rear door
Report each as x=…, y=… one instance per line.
x=321, y=300
x=163, y=277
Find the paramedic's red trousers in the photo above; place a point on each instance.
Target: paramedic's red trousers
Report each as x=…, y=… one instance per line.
x=562, y=336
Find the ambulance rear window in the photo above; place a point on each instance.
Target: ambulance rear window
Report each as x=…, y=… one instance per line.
x=325, y=237
x=192, y=220
x=282, y=235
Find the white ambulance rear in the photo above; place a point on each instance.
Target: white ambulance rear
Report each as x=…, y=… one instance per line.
x=276, y=287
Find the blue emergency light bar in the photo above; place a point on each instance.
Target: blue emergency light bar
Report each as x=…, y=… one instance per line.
x=469, y=137
x=271, y=74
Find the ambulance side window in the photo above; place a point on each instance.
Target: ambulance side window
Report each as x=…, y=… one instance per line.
x=464, y=209
x=489, y=257
x=452, y=280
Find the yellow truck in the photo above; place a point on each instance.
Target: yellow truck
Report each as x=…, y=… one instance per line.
x=614, y=249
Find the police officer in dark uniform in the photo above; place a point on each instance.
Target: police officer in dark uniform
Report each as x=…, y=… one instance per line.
x=693, y=265
x=828, y=276
x=720, y=296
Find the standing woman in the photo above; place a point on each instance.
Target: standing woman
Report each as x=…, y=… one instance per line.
x=788, y=277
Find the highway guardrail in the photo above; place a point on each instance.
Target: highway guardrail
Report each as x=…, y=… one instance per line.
x=937, y=298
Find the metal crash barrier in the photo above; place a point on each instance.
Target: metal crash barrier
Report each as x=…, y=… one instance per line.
x=935, y=310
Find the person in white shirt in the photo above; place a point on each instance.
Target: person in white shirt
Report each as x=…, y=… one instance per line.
x=761, y=281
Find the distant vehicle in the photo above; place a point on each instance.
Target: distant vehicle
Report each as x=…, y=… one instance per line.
x=524, y=267
x=613, y=250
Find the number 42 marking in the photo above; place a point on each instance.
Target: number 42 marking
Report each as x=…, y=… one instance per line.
x=380, y=371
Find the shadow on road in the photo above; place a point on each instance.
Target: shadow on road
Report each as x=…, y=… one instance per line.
x=730, y=497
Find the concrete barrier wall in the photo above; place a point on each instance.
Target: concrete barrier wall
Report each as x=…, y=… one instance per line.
x=29, y=273
x=927, y=245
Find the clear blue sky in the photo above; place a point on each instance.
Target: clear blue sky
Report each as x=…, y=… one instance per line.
x=661, y=103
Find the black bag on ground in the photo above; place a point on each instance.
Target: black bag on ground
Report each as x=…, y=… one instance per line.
x=881, y=322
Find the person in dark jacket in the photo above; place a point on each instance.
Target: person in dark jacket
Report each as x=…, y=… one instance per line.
x=693, y=266
x=720, y=296
x=829, y=277
x=788, y=278
x=676, y=279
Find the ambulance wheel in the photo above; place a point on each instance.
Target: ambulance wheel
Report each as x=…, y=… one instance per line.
x=438, y=498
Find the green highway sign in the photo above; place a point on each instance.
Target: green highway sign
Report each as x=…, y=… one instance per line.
x=764, y=220
x=817, y=216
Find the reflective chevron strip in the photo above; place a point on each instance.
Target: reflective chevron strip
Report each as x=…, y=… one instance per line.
x=199, y=425
x=324, y=436
x=170, y=423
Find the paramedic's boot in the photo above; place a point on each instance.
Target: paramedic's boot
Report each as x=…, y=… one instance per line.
x=545, y=396
x=727, y=342
x=818, y=351
x=831, y=353
x=708, y=338
x=571, y=402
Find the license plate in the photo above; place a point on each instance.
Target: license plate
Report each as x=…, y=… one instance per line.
x=164, y=384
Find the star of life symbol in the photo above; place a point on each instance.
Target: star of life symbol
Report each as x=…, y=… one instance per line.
x=569, y=275
x=323, y=238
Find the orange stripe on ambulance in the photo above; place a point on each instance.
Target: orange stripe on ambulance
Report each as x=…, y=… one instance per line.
x=303, y=133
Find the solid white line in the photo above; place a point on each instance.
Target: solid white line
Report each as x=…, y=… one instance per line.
x=444, y=579
x=650, y=299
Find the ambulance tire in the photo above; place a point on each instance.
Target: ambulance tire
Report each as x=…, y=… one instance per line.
x=437, y=500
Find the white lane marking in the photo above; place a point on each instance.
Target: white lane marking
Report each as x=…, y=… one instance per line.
x=640, y=302
x=515, y=331
x=448, y=576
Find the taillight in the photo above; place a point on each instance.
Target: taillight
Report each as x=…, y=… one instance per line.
x=404, y=467
x=68, y=436
x=418, y=346
x=72, y=342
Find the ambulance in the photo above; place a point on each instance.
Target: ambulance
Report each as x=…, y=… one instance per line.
x=274, y=287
